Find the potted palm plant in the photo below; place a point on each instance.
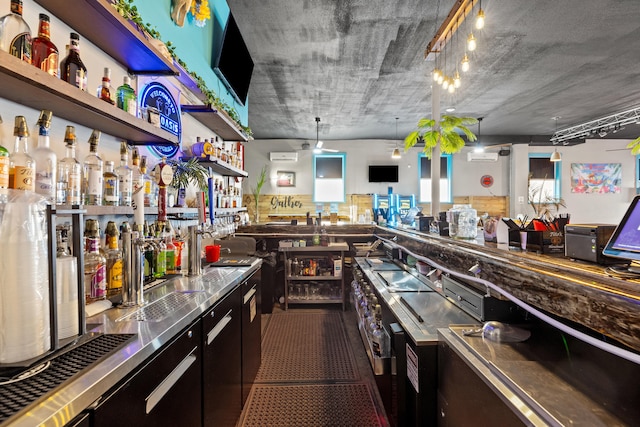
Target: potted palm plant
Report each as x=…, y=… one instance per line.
x=185, y=173
x=446, y=131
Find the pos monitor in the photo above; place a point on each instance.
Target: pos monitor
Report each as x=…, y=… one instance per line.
x=625, y=240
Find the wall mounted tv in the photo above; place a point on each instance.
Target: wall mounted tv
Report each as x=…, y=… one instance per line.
x=383, y=173
x=233, y=64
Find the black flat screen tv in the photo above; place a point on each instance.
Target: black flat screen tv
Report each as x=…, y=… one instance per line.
x=383, y=173
x=233, y=64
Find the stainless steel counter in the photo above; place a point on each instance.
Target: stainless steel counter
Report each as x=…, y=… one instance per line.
x=531, y=387
x=434, y=309
x=169, y=308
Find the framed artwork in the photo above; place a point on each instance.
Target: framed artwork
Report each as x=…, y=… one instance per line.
x=596, y=177
x=286, y=179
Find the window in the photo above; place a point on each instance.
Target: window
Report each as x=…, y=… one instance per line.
x=329, y=182
x=544, y=181
x=445, y=179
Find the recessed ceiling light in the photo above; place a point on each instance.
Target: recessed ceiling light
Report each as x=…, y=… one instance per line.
x=450, y=109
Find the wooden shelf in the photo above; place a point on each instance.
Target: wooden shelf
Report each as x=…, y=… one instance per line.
x=216, y=120
x=99, y=22
x=127, y=210
x=218, y=166
x=27, y=85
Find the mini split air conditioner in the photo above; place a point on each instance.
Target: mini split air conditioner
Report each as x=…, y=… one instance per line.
x=482, y=157
x=283, y=156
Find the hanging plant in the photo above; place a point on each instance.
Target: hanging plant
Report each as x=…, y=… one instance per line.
x=447, y=133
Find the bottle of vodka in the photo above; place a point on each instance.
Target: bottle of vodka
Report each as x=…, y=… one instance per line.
x=69, y=186
x=125, y=176
x=93, y=172
x=46, y=160
x=22, y=167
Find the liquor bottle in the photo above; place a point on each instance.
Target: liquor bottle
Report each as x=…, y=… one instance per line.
x=93, y=172
x=160, y=267
x=4, y=167
x=105, y=91
x=125, y=176
x=69, y=185
x=15, y=34
x=95, y=277
x=46, y=160
x=44, y=54
x=22, y=167
x=126, y=97
x=114, y=260
x=72, y=69
x=170, y=257
x=111, y=185
x=146, y=181
x=136, y=175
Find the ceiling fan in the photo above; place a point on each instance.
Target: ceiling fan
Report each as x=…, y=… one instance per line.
x=317, y=149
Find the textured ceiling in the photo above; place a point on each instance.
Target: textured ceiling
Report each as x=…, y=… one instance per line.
x=359, y=64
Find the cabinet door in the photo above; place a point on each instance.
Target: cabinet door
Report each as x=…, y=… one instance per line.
x=251, y=332
x=221, y=369
x=167, y=391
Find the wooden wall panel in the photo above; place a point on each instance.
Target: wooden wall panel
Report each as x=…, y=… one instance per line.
x=274, y=207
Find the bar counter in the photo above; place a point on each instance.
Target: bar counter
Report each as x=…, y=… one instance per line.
x=193, y=295
x=577, y=291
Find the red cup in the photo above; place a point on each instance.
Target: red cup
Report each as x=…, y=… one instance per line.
x=212, y=253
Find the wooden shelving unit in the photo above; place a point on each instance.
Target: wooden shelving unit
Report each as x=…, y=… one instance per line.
x=218, y=166
x=99, y=22
x=216, y=120
x=128, y=45
x=27, y=85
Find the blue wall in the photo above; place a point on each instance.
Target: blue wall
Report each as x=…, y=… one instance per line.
x=194, y=45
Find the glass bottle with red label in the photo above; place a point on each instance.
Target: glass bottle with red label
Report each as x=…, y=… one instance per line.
x=44, y=54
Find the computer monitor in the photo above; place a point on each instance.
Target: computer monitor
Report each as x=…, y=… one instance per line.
x=625, y=240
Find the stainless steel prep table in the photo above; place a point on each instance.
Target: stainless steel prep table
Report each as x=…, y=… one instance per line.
x=195, y=296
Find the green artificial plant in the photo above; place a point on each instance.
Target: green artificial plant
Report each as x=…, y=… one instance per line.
x=262, y=178
x=189, y=172
x=446, y=132
x=634, y=146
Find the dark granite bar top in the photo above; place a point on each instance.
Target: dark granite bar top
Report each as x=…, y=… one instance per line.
x=577, y=291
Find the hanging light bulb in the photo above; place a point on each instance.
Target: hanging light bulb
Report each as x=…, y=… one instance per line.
x=480, y=18
x=471, y=42
x=445, y=83
x=464, y=64
x=440, y=79
x=452, y=86
x=396, y=152
x=436, y=74
x=456, y=80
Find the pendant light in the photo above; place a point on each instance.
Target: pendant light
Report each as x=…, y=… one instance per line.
x=456, y=76
x=396, y=152
x=555, y=156
x=480, y=18
x=471, y=40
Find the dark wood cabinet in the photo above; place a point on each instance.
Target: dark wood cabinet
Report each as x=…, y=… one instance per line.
x=251, y=331
x=166, y=391
x=221, y=367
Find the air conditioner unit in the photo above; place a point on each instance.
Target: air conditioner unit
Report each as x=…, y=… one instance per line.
x=283, y=156
x=482, y=157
